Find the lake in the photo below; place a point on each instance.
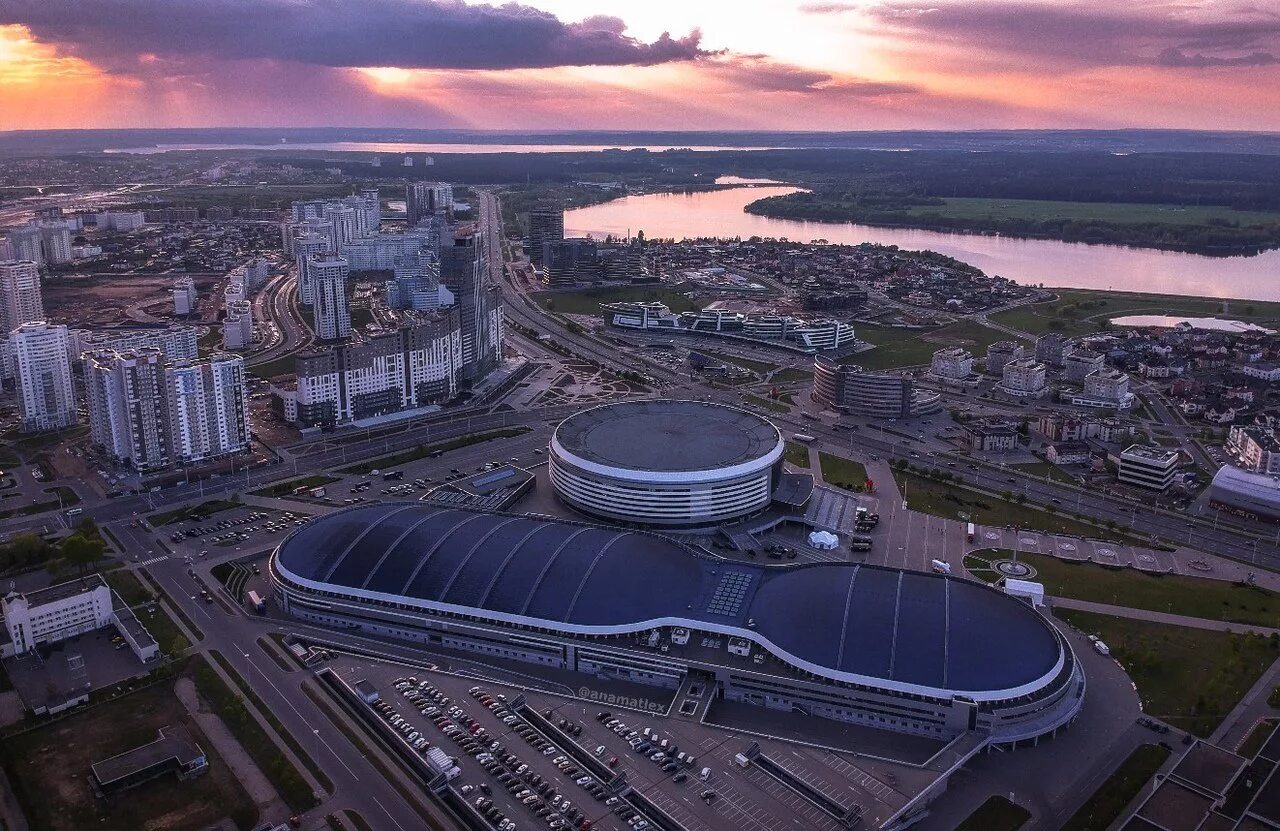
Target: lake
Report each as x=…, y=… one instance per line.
x=1059, y=264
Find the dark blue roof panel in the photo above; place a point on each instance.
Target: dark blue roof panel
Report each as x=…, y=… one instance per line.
x=926, y=630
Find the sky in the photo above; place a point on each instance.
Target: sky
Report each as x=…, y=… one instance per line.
x=652, y=65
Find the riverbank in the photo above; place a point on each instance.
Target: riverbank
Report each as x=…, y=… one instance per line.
x=1205, y=230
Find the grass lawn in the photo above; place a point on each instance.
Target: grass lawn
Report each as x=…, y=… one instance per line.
x=1176, y=594
x=292, y=788
x=1191, y=678
x=996, y=814
x=1257, y=738
x=49, y=767
x=758, y=367
x=767, y=403
x=125, y=584
x=1119, y=790
x=587, y=301
x=204, y=509
x=791, y=375
x=1080, y=311
x=948, y=500
x=1054, y=472
x=287, y=488
x=897, y=347
x=277, y=366
x=424, y=450
x=167, y=634
x=796, y=454
x=842, y=472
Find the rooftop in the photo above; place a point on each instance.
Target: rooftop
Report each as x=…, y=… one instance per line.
x=1160, y=455
x=667, y=436
x=61, y=591
x=173, y=743
x=927, y=633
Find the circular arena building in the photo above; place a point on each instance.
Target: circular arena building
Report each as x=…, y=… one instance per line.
x=666, y=463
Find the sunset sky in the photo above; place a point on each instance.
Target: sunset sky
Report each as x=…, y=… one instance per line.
x=661, y=64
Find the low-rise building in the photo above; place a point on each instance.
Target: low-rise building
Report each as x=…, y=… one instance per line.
x=991, y=435
x=1067, y=452
x=173, y=751
x=1148, y=467
x=1079, y=363
x=850, y=388
x=65, y=610
x=1254, y=449
x=1105, y=389
x=1052, y=348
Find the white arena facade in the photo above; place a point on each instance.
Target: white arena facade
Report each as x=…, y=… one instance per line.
x=675, y=464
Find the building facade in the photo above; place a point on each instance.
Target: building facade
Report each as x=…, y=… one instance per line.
x=1077, y=365
x=951, y=364
x=851, y=389
x=1023, y=378
x=1254, y=449
x=125, y=392
x=1000, y=353
x=184, y=296
x=1147, y=467
x=237, y=326
x=208, y=409
x=41, y=354
x=332, y=311
x=546, y=227
x=20, y=298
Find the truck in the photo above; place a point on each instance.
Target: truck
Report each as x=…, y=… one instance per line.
x=392, y=475
x=741, y=761
x=804, y=437
x=941, y=567
x=256, y=602
x=442, y=762
x=969, y=532
x=1101, y=648
x=318, y=493
x=859, y=543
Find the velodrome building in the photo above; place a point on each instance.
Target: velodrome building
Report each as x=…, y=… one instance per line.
x=919, y=653
x=666, y=463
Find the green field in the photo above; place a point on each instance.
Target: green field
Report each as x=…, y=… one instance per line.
x=767, y=403
x=587, y=301
x=796, y=454
x=791, y=375
x=1172, y=593
x=1079, y=311
x=842, y=472
x=1257, y=738
x=1190, y=678
x=1118, y=791
x=758, y=367
x=896, y=348
x=996, y=814
x=277, y=366
x=1042, y=469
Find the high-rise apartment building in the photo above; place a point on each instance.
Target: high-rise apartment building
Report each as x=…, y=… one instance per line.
x=305, y=248
x=20, y=300
x=546, y=226
x=42, y=361
x=125, y=392
x=464, y=269
x=237, y=326
x=331, y=308
x=26, y=244
x=178, y=343
x=55, y=240
x=184, y=296
x=208, y=408
x=424, y=199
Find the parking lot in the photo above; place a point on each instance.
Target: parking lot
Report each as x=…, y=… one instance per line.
x=739, y=797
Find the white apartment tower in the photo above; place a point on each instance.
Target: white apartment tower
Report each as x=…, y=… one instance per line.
x=20, y=300
x=305, y=248
x=1024, y=378
x=184, y=296
x=208, y=408
x=329, y=287
x=125, y=393
x=42, y=358
x=237, y=326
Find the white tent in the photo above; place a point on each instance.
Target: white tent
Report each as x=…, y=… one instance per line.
x=823, y=540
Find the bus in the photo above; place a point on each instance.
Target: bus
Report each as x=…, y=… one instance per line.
x=804, y=437
x=968, y=532
x=74, y=511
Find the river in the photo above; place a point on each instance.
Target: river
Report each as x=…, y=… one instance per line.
x=1059, y=264
x=402, y=147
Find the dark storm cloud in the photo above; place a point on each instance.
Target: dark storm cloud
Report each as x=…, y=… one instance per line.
x=759, y=73
x=437, y=34
x=1157, y=32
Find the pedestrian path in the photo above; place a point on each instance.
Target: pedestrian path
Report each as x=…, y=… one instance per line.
x=1161, y=617
x=158, y=559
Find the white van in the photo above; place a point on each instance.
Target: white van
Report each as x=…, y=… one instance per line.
x=705, y=774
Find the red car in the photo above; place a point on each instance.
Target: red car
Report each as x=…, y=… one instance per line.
x=613, y=761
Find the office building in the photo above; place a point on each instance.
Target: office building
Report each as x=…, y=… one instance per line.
x=20, y=298
x=425, y=199
x=55, y=613
x=951, y=364
x=1147, y=467
x=848, y=388
x=208, y=405
x=394, y=372
x=570, y=262
x=41, y=353
x=184, y=296
x=1254, y=449
x=951, y=657
x=127, y=417
x=1023, y=378
x=1244, y=493
x=546, y=227
x=1078, y=363
x=991, y=435
x=237, y=326
x=331, y=308
x=1000, y=353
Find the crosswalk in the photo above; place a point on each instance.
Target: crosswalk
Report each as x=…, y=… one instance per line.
x=157, y=559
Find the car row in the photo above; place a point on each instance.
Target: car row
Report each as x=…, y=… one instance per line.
x=649, y=744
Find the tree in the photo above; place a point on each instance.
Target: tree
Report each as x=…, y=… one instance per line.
x=82, y=552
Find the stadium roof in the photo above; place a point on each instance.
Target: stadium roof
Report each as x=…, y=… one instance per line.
x=919, y=632
x=670, y=436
